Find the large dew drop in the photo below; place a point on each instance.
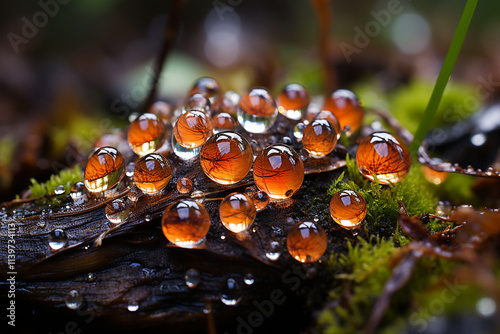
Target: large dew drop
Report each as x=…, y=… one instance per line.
x=57, y=239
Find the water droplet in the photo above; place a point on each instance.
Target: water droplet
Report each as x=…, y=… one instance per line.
x=59, y=190
x=298, y=131
x=231, y=292
x=354, y=232
x=273, y=251
x=133, y=307
x=57, y=239
x=134, y=194
x=130, y=169
x=198, y=196
x=248, y=279
x=147, y=218
x=257, y=111
x=90, y=278
x=184, y=185
x=316, y=219
x=223, y=237
x=192, y=278
x=73, y=300
x=117, y=211
x=287, y=140
x=208, y=307
x=78, y=190
x=470, y=169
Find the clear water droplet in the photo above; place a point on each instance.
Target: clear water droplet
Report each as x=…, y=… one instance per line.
x=78, y=190
x=57, y=239
x=117, y=211
x=231, y=292
x=59, y=190
x=134, y=194
x=133, y=307
x=198, y=196
x=248, y=279
x=287, y=140
x=73, y=300
x=129, y=171
x=298, y=131
x=147, y=218
x=208, y=307
x=90, y=278
x=273, y=251
x=223, y=237
x=192, y=278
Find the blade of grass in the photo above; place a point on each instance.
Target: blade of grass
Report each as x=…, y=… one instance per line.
x=444, y=76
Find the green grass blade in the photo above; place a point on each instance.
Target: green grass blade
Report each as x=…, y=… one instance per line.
x=444, y=76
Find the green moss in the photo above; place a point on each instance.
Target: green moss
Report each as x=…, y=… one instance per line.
x=382, y=206
x=66, y=177
x=361, y=275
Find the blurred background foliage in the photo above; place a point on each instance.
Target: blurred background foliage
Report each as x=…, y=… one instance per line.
x=89, y=67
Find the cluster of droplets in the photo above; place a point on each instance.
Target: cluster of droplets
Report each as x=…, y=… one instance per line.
x=205, y=127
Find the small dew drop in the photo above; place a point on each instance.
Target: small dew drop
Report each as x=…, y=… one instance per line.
x=73, y=300
x=90, y=278
x=57, y=239
x=147, y=218
x=130, y=169
x=223, y=237
x=59, y=190
x=231, y=292
x=248, y=279
x=184, y=185
x=198, y=196
x=192, y=278
x=273, y=251
x=77, y=190
x=287, y=140
x=207, y=308
x=133, y=307
x=134, y=194
x=298, y=131
x=117, y=211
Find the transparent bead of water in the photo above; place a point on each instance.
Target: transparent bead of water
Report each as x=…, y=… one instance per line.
x=133, y=307
x=130, y=169
x=73, y=300
x=117, y=211
x=147, y=218
x=134, y=194
x=59, y=190
x=183, y=152
x=248, y=279
x=231, y=292
x=298, y=131
x=77, y=190
x=192, y=278
x=57, y=239
x=90, y=278
x=257, y=111
x=273, y=251
x=198, y=196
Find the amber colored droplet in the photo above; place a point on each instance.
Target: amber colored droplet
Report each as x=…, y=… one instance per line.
x=330, y=117
x=258, y=102
x=184, y=185
x=146, y=134
x=223, y=121
x=185, y=223
x=192, y=129
x=319, y=138
x=207, y=86
x=278, y=171
x=226, y=157
x=237, y=212
x=199, y=102
x=384, y=155
x=434, y=176
x=346, y=107
x=152, y=173
x=260, y=200
x=105, y=168
x=306, y=242
x=293, y=100
x=162, y=110
x=348, y=208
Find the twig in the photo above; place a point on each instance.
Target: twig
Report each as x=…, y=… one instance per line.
x=170, y=34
